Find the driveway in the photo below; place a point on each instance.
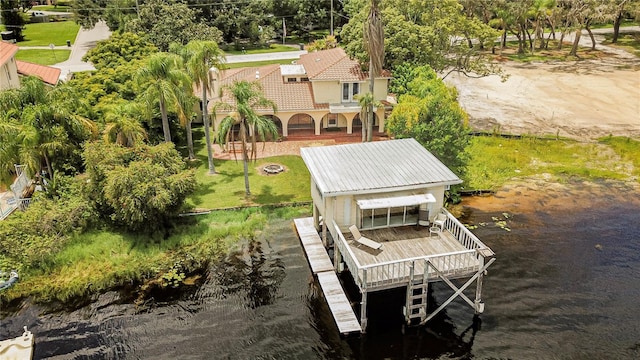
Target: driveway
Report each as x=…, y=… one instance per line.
x=85, y=40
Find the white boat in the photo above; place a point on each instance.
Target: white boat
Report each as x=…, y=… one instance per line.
x=20, y=348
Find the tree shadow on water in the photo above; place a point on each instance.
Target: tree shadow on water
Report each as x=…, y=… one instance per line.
x=248, y=270
x=387, y=337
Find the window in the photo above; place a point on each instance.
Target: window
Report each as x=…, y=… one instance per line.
x=292, y=80
x=392, y=211
x=349, y=91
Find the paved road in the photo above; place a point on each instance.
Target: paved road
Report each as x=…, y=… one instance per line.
x=85, y=40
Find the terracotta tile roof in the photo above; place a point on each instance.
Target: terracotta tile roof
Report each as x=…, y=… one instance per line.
x=7, y=51
x=48, y=74
x=333, y=64
x=319, y=61
x=288, y=96
x=345, y=69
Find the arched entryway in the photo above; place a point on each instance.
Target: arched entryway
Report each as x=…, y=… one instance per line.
x=301, y=125
x=357, y=122
x=276, y=120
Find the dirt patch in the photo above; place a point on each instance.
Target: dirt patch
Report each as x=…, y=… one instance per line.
x=576, y=99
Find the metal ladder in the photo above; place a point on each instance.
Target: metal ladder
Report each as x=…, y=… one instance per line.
x=417, y=291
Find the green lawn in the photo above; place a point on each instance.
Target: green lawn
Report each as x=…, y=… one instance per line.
x=43, y=56
x=272, y=48
x=59, y=8
x=226, y=188
x=43, y=34
x=259, y=63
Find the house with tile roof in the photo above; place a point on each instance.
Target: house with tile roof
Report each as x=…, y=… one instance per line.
x=48, y=74
x=8, y=67
x=316, y=95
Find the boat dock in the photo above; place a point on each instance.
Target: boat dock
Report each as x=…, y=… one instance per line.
x=323, y=269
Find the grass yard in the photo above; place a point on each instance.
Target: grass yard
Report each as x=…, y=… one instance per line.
x=226, y=188
x=628, y=41
x=496, y=160
x=628, y=150
x=550, y=54
x=43, y=34
x=43, y=56
x=272, y=48
x=52, y=8
x=259, y=63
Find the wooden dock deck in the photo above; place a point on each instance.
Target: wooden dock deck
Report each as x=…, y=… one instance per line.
x=322, y=267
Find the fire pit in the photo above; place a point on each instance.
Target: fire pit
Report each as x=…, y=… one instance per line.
x=273, y=169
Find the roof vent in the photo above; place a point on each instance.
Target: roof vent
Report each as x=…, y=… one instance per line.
x=257, y=74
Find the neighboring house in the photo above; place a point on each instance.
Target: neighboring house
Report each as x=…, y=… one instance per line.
x=380, y=206
x=8, y=67
x=316, y=95
x=48, y=74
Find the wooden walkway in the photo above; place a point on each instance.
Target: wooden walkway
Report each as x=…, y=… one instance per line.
x=322, y=267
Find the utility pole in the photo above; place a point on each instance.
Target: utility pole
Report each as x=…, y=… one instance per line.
x=331, y=17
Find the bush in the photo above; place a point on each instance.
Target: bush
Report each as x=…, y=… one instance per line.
x=139, y=188
x=30, y=237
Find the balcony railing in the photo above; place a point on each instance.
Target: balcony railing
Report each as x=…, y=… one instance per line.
x=403, y=271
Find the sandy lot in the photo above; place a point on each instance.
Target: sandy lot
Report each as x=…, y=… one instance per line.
x=579, y=99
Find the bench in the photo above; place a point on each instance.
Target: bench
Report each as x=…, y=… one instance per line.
x=363, y=240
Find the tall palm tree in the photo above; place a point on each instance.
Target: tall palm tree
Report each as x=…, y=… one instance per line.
x=202, y=59
x=164, y=81
x=374, y=43
x=123, y=124
x=247, y=96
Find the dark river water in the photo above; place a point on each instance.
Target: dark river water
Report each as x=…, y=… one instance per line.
x=566, y=285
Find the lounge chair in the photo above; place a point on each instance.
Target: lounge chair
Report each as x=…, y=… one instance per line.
x=363, y=240
x=439, y=221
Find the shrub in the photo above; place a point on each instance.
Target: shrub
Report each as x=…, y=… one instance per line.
x=139, y=188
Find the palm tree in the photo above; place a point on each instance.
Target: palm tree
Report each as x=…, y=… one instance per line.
x=41, y=126
x=374, y=43
x=200, y=57
x=367, y=102
x=247, y=96
x=164, y=81
x=123, y=125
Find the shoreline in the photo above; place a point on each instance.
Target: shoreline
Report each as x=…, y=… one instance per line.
x=535, y=194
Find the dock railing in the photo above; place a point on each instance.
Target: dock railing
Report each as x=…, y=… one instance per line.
x=400, y=272
x=461, y=233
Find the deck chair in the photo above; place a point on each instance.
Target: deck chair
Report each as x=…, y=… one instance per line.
x=439, y=221
x=363, y=240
